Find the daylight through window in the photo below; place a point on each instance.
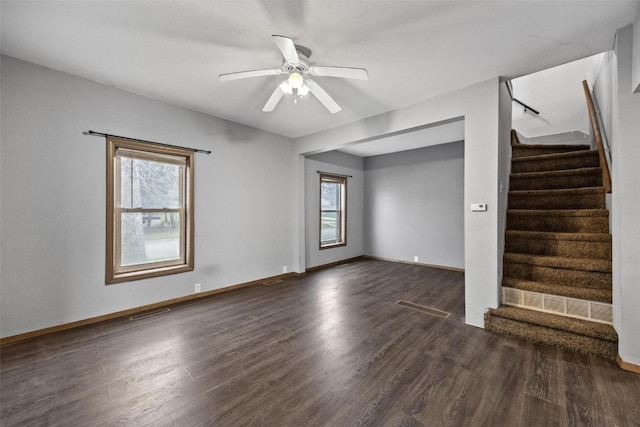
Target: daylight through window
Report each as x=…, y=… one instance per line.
x=150, y=210
x=333, y=196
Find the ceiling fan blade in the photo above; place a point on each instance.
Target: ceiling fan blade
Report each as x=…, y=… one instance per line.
x=273, y=100
x=288, y=49
x=246, y=74
x=344, y=72
x=323, y=96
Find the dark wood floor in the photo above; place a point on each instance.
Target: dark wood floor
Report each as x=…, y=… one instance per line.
x=330, y=348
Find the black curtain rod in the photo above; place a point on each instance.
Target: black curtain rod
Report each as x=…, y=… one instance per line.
x=335, y=174
x=106, y=135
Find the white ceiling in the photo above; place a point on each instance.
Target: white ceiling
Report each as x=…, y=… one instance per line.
x=413, y=50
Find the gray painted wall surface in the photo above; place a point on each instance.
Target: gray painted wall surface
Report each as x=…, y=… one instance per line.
x=338, y=158
x=52, y=201
x=414, y=205
x=504, y=169
x=479, y=104
x=625, y=175
x=603, y=87
x=52, y=219
x=635, y=84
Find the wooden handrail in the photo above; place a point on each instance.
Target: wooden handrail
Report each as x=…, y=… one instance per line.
x=606, y=176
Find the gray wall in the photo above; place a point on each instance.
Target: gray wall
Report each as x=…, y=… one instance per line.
x=480, y=107
x=620, y=109
x=504, y=169
x=52, y=218
x=635, y=83
x=605, y=81
x=341, y=164
x=414, y=205
x=625, y=175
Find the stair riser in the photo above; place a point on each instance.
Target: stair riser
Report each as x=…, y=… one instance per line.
x=556, y=182
x=542, y=335
x=561, y=276
x=541, y=165
x=600, y=295
x=563, y=248
x=519, y=151
x=561, y=224
x=560, y=201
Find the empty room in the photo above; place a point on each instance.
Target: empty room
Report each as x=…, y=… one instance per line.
x=329, y=213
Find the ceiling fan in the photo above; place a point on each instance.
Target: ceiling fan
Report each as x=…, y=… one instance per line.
x=296, y=66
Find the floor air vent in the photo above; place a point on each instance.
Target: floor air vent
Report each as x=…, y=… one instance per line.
x=149, y=314
x=429, y=310
x=272, y=282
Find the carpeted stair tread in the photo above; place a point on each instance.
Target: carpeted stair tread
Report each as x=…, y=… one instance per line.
x=571, y=198
x=582, y=264
x=550, y=336
x=559, y=191
x=559, y=220
x=527, y=150
x=558, y=161
x=555, y=156
x=542, y=220
x=573, y=245
x=553, y=321
x=590, y=294
x=573, y=178
x=561, y=212
x=560, y=276
x=590, y=237
x=555, y=147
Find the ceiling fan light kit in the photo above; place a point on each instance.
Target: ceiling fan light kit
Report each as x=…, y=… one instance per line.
x=296, y=66
x=295, y=80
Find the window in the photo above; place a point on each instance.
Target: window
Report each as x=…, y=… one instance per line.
x=149, y=210
x=333, y=204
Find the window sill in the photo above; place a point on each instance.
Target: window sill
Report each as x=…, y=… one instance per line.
x=148, y=273
x=333, y=245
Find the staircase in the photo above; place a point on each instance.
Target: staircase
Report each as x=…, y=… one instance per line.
x=556, y=286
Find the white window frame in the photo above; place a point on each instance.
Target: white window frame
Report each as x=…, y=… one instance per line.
x=115, y=272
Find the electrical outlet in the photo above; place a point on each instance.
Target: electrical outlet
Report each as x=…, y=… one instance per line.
x=416, y=259
x=285, y=269
x=197, y=288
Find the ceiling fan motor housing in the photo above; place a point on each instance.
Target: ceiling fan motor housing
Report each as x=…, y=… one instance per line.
x=302, y=66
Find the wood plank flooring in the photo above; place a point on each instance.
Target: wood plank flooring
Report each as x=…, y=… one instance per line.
x=329, y=348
